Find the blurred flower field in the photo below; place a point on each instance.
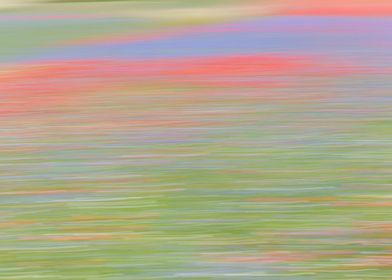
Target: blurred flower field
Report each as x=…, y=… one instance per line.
x=196, y=140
